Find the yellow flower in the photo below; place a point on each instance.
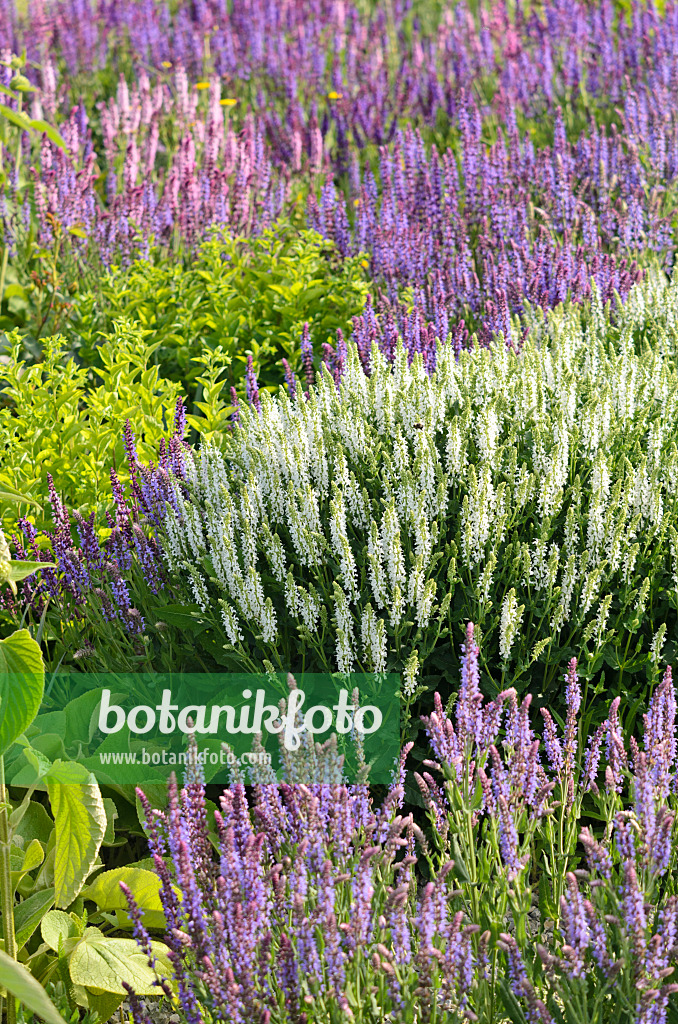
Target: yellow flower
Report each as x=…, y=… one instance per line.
x=167, y=63
x=364, y=263
x=334, y=95
x=228, y=102
x=356, y=202
x=202, y=85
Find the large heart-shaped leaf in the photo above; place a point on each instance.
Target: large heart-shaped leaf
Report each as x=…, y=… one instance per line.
x=20, y=982
x=80, y=824
x=22, y=683
x=106, y=892
x=100, y=962
x=57, y=928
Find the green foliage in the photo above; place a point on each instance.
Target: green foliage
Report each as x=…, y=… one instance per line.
x=58, y=418
x=22, y=680
x=18, y=981
x=92, y=965
x=238, y=297
x=46, y=861
x=56, y=990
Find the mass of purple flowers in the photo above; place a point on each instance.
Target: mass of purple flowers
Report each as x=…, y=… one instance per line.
x=312, y=893
x=93, y=572
x=309, y=908
x=466, y=205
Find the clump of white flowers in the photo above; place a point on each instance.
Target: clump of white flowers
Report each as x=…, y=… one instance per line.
x=370, y=520
x=511, y=615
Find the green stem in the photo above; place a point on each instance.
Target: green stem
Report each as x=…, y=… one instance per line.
x=6, y=891
x=3, y=272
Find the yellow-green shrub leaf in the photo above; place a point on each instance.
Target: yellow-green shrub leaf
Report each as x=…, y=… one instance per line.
x=22, y=682
x=106, y=892
x=100, y=962
x=57, y=928
x=80, y=824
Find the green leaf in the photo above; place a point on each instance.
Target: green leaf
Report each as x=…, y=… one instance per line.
x=103, y=1003
x=15, y=291
x=511, y=1004
x=47, y=129
x=106, y=892
x=8, y=493
x=22, y=683
x=33, y=856
x=29, y=914
x=100, y=962
x=20, y=120
x=80, y=822
x=35, y=824
x=111, y=815
x=184, y=616
x=21, y=84
x=81, y=721
x=20, y=570
x=15, y=978
x=56, y=928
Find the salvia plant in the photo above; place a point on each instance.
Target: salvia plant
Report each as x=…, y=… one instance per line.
x=488, y=208
x=556, y=903
x=354, y=526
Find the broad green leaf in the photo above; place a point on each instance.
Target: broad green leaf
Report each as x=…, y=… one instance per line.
x=81, y=720
x=35, y=824
x=106, y=892
x=33, y=856
x=22, y=683
x=80, y=822
x=56, y=928
x=52, y=134
x=15, y=978
x=103, y=963
x=20, y=570
x=29, y=914
x=29, y=768
x=15, y=291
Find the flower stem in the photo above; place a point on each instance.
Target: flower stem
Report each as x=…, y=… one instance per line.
x=6, y=891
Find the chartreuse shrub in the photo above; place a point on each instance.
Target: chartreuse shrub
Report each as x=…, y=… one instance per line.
x=236, y=297
x=548, y=890
x=67, y=421
x=360, y=528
